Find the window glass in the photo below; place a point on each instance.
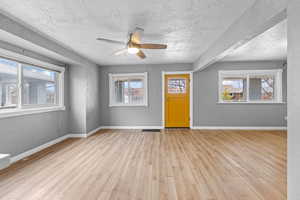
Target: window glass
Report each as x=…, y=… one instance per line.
x=234, y=89
x=39, y=85
x=136, y=91
x=176, y=85
x=261, y=88
x=121, y=91
x=8, y=83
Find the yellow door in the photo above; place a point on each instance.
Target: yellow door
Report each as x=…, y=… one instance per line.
x=177, y=100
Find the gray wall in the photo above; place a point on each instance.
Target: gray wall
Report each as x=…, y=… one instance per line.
x=207, y=112
x=82, y=114
x=77, y=90
x=85, y=99
x=22, y=133
x=136, y=116
x=93, y=98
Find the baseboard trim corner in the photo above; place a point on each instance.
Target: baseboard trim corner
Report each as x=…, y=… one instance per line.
x=94, y=131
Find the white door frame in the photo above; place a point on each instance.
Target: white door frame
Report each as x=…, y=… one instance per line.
x=163, y=73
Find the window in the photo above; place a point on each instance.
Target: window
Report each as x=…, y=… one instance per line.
x=234, y=88
x=176, y=85
x=24, y=86
x=128, y=89
x=253, y=86
x=8, y=84
x=39, y=86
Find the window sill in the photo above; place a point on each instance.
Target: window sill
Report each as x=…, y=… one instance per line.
x=253, y=102
x=28, y=111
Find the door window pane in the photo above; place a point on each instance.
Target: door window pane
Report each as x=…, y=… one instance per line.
x=39, y=85
x=176, y=86
x=261, y=88
x=8, y=83
x=234, y=89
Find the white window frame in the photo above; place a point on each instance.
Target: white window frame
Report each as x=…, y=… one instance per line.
x=277, y=73
x=21, y=109
x=111, y=89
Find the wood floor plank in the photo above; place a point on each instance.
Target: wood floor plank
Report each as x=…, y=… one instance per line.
x=174, y=164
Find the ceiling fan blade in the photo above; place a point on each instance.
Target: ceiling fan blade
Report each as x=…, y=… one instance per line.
x=152, y=46
x=111, y=41
x=120, y=52
x=135, y=36
x=141, y=54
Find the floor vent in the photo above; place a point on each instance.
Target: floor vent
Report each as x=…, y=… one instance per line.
x=150, y=130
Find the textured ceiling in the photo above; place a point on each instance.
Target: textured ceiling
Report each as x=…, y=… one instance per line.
x=270, y=45
x=187, y=26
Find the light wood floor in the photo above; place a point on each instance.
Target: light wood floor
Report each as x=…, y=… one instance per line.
x=175, y=164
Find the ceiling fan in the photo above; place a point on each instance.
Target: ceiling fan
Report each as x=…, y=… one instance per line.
x=134, y=46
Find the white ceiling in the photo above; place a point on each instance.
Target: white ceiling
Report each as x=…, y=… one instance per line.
x=189, y=27
x=270, y=45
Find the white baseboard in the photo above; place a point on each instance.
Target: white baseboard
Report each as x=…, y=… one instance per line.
x=94, y=131
x=37, y=149
x=77, y=135
x=48, y=144
x=239, y=128
x=132, y=127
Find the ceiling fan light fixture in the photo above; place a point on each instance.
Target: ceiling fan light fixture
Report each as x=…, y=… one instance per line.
x=133, y=50
x=133, y=45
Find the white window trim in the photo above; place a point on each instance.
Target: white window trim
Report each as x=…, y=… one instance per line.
x=15, y=112
x=247, y=73
x=20, y=109
x=111, y=90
